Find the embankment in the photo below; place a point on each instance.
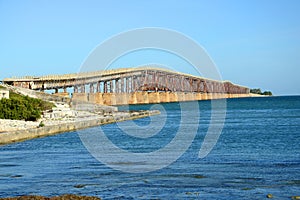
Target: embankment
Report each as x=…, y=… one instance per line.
x=20, y=135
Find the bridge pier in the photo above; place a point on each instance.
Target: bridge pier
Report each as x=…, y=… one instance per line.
x=143, y=97
x=92, y=88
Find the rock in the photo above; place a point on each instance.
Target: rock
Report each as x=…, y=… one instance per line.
x=199, y=176
x=79, y=186
x=295, y=197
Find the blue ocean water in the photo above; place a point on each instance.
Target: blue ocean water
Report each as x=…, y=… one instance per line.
x=257, y=153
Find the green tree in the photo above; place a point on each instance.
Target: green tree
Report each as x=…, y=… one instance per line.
x=258, y=91
x=267, y=93
x=255, y=91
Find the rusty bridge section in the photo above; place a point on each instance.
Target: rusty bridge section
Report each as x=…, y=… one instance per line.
x=132, y=85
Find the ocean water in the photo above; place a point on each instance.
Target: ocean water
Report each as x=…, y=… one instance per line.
x=257, y=153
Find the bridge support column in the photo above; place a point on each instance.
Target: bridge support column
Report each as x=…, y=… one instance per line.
x=181, y=85
x=111, y=86
x=209, y=95
x=164, y=97
x=140, y=81
x=80, y=96
x=92, y=88
x=153, y=97
x=122, y=98
x=133, y=83
x=173, y=97
x=98, y=87
x=190, y=89
x=117, y=85
x=127, y=85
x=132, y=98
x=75, y=89
x=175, y=84
x=121, y=85
x=98, y=98
x=139, y=97
x=105, y=87
x=82, y=89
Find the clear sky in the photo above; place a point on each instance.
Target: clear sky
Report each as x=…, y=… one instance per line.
x=254, y=43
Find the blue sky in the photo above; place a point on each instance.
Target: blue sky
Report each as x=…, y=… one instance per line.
x=253, y=43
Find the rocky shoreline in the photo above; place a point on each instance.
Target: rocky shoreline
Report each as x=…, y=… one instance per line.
x=65, y=116
x=7, y=125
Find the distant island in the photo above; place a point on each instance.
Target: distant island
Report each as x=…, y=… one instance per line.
x=258, y=91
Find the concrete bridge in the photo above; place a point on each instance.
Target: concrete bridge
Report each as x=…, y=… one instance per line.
x=132, y=86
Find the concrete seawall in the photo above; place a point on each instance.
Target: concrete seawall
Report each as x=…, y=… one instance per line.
x=150, y=97
x=20, y=135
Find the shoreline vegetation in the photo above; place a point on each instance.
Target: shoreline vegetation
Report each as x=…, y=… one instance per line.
x=19, y=107
x=259, y=92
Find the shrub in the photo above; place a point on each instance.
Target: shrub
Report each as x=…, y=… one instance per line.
x=267, y=93
x=41, y=124
x=255, y=91
x=19, y=107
